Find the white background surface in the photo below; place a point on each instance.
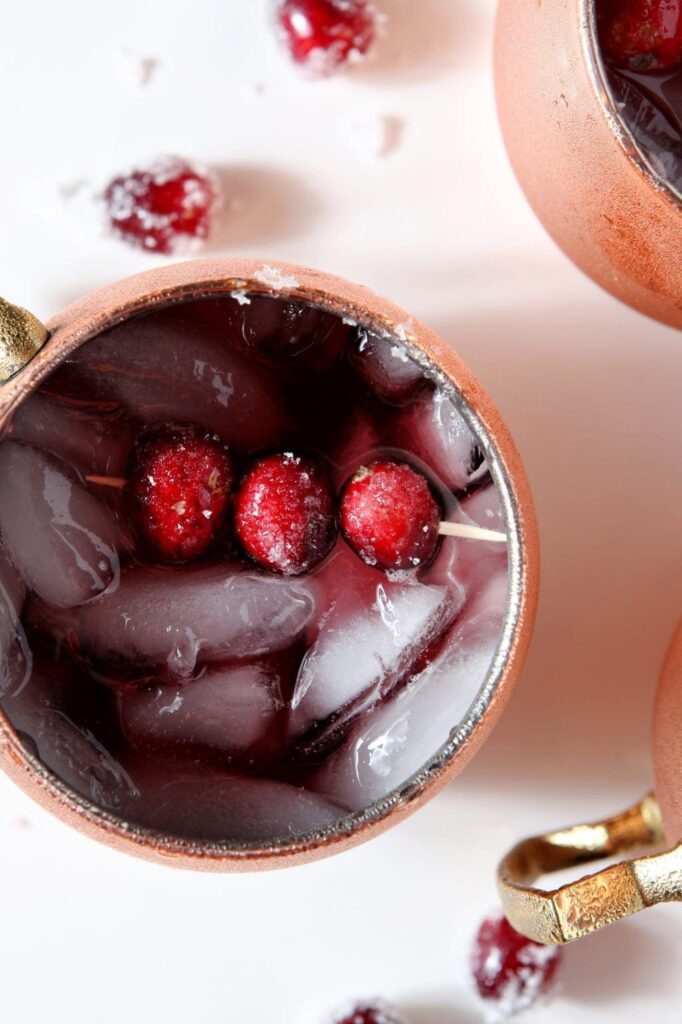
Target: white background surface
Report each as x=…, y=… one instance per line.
x=591, y=391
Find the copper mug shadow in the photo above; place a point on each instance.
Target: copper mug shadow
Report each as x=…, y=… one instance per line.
x=562, y=915
x=591, y=183
x=30, y=359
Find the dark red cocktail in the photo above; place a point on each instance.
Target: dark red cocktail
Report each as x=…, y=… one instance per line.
x=191, y=636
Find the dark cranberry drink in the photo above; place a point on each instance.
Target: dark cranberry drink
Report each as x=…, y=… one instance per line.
x=227, y=607
x=641, y=42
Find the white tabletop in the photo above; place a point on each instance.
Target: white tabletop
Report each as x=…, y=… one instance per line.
x=591, y=393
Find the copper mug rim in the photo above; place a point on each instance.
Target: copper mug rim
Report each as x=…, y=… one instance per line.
x=174, y=284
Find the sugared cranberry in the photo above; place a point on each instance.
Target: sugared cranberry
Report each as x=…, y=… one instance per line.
x=390, y=516
x=284, y=513
x=370, y=1013
x=510, y=969
x=642, y=35
x=165, y=207
x=180, y=482
x=323, y=35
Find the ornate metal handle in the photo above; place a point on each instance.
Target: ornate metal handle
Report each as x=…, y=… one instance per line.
x=21, y=336
x=578, y=908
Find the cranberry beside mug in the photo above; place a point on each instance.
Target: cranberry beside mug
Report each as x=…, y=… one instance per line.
x=228, y=712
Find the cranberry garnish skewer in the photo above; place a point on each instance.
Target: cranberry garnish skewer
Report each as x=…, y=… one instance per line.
x=285, y=513
x=179, y=486
x=390, y=517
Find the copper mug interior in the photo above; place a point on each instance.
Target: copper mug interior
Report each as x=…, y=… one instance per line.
x=183, y=282
x=577, y=162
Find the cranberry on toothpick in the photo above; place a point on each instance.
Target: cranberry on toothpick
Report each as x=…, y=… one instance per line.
x=166, y=207
x=324, y=35
x=389, y=515
x=179, y=485
x=509, y=969
x=285, y=513
x=641, y=35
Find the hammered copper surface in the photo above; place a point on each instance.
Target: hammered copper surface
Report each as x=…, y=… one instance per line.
x=555, y=916
x=575, y=162
x=90, y=316
x=21, y=336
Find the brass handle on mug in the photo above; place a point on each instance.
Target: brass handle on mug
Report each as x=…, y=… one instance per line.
x=573, y=910
x=21, y=336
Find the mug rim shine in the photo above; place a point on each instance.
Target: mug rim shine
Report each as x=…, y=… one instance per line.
x=200, y=279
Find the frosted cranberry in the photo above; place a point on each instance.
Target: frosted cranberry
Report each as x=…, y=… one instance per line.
x=285, y=513
x=180, y=482
x=389, y=515
x=162, y=208
x=642, y=35
x=509, y=968
x=370, y=1013
x=323, y=35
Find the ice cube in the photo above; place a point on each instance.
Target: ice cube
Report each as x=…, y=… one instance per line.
x=202, y=802
x=227, y=708
x=475, y=562
x=178, y=617
x=365, y=646
x=291, y=331
x=656, y=134
x=61, y=539
x=386, y=366
x=15, y=654
x=167, y=366
x=484, y=508
x=74, y=754
x=399, y=738
x=434, y=430
x=92, y=442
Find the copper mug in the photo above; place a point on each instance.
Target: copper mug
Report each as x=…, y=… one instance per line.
x=578, y=162
x=29, y=352
x=578, y=908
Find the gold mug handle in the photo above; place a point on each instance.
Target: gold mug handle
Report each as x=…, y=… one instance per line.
x=21, y=336
x=557, y=916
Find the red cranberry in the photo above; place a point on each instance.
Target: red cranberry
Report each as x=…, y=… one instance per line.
x=325, y=34
x=642, y=35
x=180, y=482
x=284, y=513
x=389, y=515
x=162, y=208
x=370, y=1013
x=510, y=969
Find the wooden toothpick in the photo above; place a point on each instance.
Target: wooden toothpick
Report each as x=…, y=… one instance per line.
x=108, y=481
x=467, y=532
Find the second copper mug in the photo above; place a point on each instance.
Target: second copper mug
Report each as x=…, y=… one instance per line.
x=577, y=159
